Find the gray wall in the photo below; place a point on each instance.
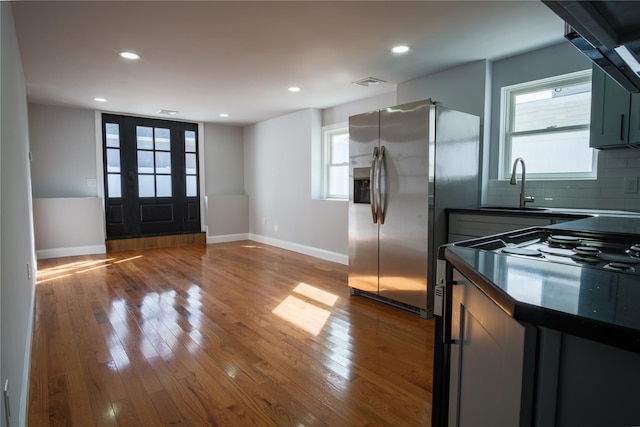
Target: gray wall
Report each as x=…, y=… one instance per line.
x=278, y=156
x=614, y=166
x=555, y=60
x=17, y=249
x=224, y=157
x=64, y=151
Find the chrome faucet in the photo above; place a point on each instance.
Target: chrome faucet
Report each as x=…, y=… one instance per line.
x=524, y=199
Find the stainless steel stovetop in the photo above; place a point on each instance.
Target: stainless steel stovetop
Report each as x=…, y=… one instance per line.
x=612, y=252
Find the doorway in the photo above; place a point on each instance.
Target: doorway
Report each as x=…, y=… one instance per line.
x=150, y=176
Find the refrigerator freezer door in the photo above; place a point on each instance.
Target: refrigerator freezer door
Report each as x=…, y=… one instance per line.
x=363, y=232
x=404, y=134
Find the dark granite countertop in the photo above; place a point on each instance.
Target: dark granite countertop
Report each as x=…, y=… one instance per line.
x=568, y=213
x=600, y=305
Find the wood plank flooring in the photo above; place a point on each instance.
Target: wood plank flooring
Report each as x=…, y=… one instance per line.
x=229, y=334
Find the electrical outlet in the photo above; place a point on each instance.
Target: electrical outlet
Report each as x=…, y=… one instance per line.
x=631, y=184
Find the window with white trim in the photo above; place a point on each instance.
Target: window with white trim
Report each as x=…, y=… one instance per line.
x=546, y=122
x=335, y=173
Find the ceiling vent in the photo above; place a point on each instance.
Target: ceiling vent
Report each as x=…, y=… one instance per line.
x=168, y=112
x=369, y=81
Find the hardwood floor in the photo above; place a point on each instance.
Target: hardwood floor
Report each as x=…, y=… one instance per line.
x=228, y=334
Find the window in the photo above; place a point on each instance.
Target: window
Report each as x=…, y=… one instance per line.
x=546, y=122
x=336, y=163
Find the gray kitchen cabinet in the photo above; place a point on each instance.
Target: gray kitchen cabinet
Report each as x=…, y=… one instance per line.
x=492, y=362
x=464, y=226
x=615, y=114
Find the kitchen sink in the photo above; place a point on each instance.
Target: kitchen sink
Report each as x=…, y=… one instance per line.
x=515, y=208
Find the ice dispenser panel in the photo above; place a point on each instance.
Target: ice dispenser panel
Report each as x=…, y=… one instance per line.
x=361, y=184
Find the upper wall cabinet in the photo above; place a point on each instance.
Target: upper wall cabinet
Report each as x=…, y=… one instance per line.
x=615, y=114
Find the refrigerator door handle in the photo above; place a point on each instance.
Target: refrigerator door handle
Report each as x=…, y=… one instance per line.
x=378, y=185
x=372, y=191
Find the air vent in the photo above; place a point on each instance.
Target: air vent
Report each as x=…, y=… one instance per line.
x=168, y=112
x=369, y=81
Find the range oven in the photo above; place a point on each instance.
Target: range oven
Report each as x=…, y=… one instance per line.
x=604, y=248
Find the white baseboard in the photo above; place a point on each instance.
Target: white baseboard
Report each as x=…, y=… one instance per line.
x=24, y=395
x=227, y=238
x=306, y=250
x=73, y=251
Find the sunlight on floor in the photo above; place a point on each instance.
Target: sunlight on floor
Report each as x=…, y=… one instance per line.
x=52, y=273
x=303, y=314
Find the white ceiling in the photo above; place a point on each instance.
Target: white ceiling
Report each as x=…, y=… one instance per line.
x=204, y=58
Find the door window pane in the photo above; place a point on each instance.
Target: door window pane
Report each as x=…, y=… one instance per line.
x=114, y=185
x=112, y=131
x=192, y=186
x=113, y=160
x=190, y=141
x=163, y=185
x=163, y=139
x=163, y=162
x=145, y=161
x=144, y=137
x=190, y=164
x=146, y=186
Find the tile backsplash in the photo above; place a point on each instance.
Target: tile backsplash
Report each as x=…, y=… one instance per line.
x=615, y=188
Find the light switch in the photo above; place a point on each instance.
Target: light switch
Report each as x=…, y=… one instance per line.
x=631, y=184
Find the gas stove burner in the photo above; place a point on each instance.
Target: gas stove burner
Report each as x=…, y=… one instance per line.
x=586, y=251
x=634, y=250
x=619, y=266
x=563, y=241
x=522, y=251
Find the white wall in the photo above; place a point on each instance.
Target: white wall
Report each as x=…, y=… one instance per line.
x=340, y=113
x=278, y=181
x=68, y=226
x=227, y=205
x=17, y=258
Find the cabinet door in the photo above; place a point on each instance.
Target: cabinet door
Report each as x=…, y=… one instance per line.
x=488, y=362
x=609, y=112
x=634, y=120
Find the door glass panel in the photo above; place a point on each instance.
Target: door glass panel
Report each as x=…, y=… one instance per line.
x=190, y=164
x=114, y=185
x=146, y=187
x=163, y=162
x=163, y=139
x=113, y=160
x=192, y=186
x=190, y=141
x=144, y=137
x=145, y=161
x=163, y=185
x=113, y=134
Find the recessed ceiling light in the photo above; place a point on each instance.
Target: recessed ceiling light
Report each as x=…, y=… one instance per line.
x=129, y=55
x=99, y=99
x=400, y=49
x=294, y=89
x=224, y=115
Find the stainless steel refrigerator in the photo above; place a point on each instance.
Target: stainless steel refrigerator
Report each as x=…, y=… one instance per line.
x=406, y=165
